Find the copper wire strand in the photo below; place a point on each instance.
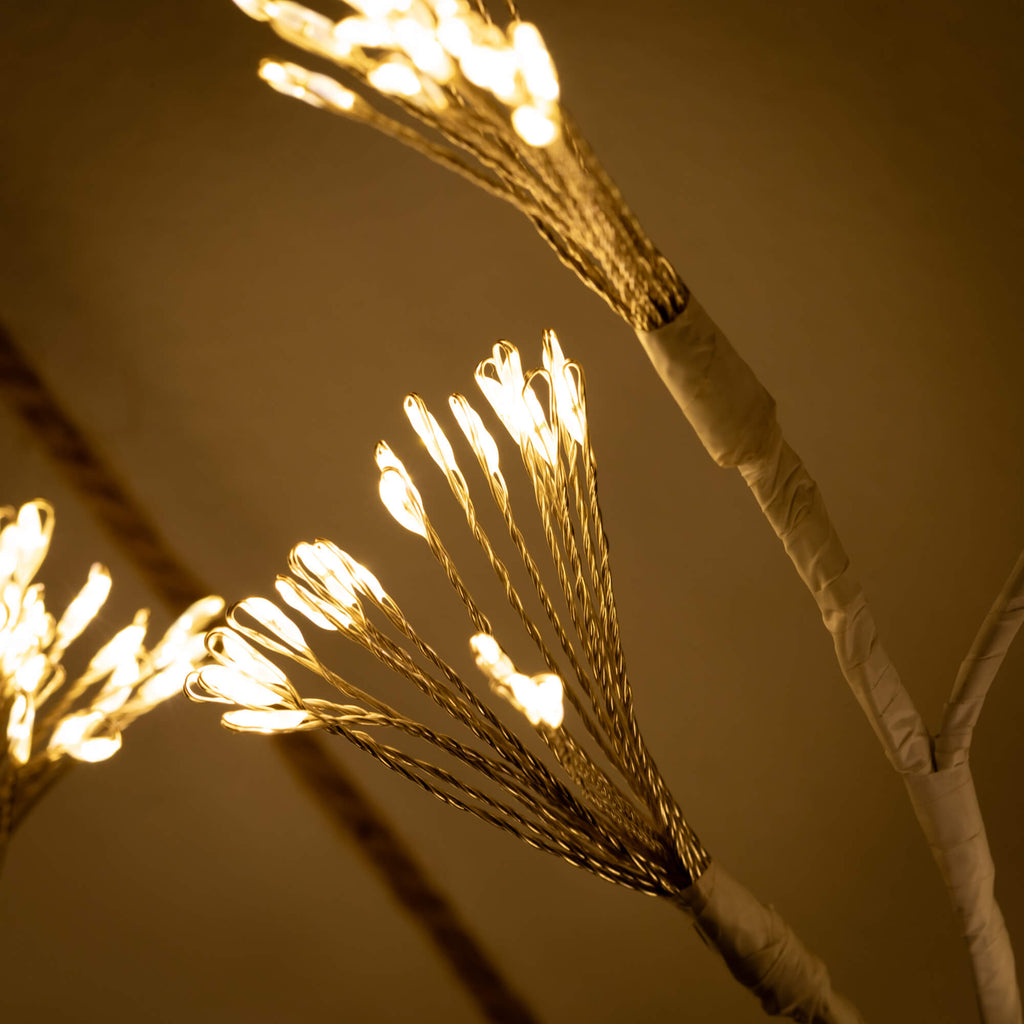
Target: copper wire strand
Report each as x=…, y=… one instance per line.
x=590, y=777
x=504, y=507
x=557, y=806
x=659, y=798
x=505, y=735
x=582, y=622
x=631, y=760
x=600, y=789
x=626, y=736
x=627, y=752
x=396, y=658
x=486, y=727
x=504, y=578
x=404, y=764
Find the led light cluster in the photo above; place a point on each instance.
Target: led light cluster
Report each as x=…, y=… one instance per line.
x=427, y=53
x=48, y=717
x=483, y=101
x=641, y=840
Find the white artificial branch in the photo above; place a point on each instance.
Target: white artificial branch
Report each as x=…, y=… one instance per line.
x=978, y=669
x=946, y=806
x=734, y=416
x=762, y=952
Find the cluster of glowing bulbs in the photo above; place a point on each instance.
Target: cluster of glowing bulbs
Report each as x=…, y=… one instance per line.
x=49, y=716
x=414, y=50
x=328, y=585
x=327, y=593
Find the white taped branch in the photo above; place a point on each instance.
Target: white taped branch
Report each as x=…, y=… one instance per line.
x=734, y=416
x=762, y=952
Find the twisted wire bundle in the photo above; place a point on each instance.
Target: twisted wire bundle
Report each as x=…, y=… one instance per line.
x=613, y=814
x=50, y=720
x=482, y=101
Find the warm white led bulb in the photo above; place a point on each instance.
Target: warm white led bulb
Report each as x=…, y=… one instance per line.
x=399, y=493
x=331, y=93
x=533, y=126
x=125, y=646
x=476, y=433
x=538, y=697
x=267, y=722
x=380, y=8
x=565, y=380
x=235, y=687
x=19, y=728
x=273, y=620
x=76, y=735
x=455, y=36
x=230, y=649
x=491, y=69
x=261, y=10
x=297, y=597
x=535, y=64
x=431, y=434
x=83, y=608
x=395, y=79
x=423, y=49
x=282, y=78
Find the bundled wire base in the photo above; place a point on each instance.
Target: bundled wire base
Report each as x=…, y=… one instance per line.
x=608, y=809
x=482, y=101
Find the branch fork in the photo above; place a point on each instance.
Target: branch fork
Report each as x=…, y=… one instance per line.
x=734, y=417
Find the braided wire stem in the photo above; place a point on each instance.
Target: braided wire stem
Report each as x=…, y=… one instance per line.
x=347, y=806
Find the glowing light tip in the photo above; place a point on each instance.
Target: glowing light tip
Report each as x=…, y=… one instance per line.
x=534, y=127
x=273, y=73
x=539, y=697
x=396, y=79
x=261, y=10
x=398, y=493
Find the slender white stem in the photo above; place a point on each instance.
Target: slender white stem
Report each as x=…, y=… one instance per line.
x=762, y=952
x=946, y=806
x=978, y=669
x=734, y=416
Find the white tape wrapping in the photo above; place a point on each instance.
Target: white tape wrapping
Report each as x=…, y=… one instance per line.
x=725, y=403
x=734, y=416
x=979, y=668
x=762, y=952
x=946, y=805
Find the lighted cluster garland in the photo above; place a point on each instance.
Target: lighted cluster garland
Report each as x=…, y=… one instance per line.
x=483, y=101
x=611, y=812
x=49, y=720
x=595, y=825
